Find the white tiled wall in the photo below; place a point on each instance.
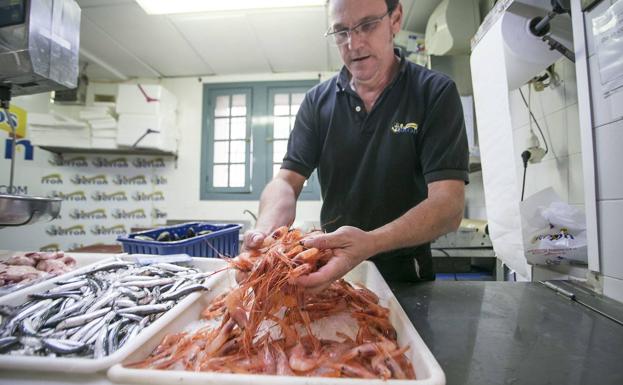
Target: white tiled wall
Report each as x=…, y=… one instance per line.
x=556, y=111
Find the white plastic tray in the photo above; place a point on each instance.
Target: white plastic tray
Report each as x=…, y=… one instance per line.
x=427, y=370
x=91, y=365
x=82, y=264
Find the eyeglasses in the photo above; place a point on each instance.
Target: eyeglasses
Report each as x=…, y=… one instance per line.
x=365, y=28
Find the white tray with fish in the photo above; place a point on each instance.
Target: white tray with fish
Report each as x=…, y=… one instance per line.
x=104, y=309
x=427, y=370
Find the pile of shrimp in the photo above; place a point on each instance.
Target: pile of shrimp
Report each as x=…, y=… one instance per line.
x=243, y=344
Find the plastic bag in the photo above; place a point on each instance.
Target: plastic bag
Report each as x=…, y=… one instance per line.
x=553, y=231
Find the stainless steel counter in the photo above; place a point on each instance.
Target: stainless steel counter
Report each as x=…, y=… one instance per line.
x=513, y=333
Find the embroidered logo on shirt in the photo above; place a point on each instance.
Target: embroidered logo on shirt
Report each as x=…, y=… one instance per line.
x=402, y=128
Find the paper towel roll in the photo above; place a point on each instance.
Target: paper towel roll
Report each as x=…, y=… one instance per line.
x=526, y=54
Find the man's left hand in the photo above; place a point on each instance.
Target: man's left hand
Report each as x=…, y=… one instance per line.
x=350, y=246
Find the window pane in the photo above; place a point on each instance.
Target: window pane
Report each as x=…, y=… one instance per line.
x=297, y=99
x=279, y=150
x=221, y=128
x=220, y=176
x=282, y=105
x=281, y=128
x=292, y=120
x=238, y=128
x=239, y=105
x=237, y=151
x=236, y=175
x=276, y=168
x=221, y=107
x=221, y=152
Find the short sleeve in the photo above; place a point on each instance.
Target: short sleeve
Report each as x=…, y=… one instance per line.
x=304, y=148
x=442, y=145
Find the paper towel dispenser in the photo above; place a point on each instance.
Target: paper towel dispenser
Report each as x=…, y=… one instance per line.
x=451, y=27
x=39, y=43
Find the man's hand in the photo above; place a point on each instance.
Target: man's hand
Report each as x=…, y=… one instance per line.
x=252, y=240
x=350, y=246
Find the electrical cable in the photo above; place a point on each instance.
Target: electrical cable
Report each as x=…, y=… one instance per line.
x=451, y=262
x=534, y=119
x=525, y=156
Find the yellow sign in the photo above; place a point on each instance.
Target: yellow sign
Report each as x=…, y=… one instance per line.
x=18, y=118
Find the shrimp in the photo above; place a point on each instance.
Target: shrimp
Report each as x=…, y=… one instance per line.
x=266, y=322
x=301, y=361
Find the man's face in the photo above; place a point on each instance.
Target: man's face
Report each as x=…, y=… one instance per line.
x=370, y=48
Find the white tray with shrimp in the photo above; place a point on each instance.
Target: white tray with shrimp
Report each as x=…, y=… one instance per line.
x=427, y=370
x=73, y=364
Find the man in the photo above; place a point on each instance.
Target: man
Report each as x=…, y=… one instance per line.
x=388, y=140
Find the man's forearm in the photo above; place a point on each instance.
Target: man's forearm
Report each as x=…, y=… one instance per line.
x=277, y=206
x=432, y=218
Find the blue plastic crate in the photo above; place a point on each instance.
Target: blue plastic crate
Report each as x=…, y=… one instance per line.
x=222, y=241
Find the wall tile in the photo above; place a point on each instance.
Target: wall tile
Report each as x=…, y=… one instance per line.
x=576, y=180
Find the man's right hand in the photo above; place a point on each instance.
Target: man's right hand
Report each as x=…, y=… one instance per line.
x=252, y=240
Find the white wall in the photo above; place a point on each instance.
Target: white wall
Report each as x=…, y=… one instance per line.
x=183, y=189
x=556, y=110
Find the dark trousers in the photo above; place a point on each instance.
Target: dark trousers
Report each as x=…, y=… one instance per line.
x=406, y=268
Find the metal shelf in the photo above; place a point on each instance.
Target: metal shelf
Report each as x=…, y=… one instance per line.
x=121, y=151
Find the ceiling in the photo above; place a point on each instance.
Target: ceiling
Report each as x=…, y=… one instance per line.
x=118, y=40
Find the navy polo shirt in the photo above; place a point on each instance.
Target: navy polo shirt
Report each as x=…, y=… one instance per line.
x=373, y=166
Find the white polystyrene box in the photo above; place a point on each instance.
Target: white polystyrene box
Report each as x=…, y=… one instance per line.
x=427, y=369
x=145, y=99
x=131, y=127
x=71, y=364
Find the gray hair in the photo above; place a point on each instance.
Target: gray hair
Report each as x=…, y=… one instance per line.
x=391, y=4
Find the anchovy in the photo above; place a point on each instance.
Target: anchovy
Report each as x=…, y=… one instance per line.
x=55, y=319
x=55, y=295
x=63, y=346
x=170, y=267
x=82, y=319
x=69, y=286
x=150, y=283
x=110, y=266
x=99, y=348
x=182, y=292
x=132, y=317
x=78, y=333
x=105, y=300
x=7, y=342
x=146, y=309
x=121, y=303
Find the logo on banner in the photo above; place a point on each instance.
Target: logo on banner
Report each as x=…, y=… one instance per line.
x=123, y=214
x=57, y=231
x=113, y=230
x=17, y=190
x=124, y=180
x=158, y=180
x=148, y=163
x=50, y=247
x=158, y=214
x=17, y=118
x=93, y=180
x=76, y=196
x=140, y=196
x=79, y=161
x=52, y=179
x=81, y=214
x=100, y=162
x=20, y=144
x=118, y=196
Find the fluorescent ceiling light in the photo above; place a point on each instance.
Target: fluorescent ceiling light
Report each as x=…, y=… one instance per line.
x=161, y=7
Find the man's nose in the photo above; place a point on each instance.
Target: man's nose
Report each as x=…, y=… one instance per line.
x=354, y=40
